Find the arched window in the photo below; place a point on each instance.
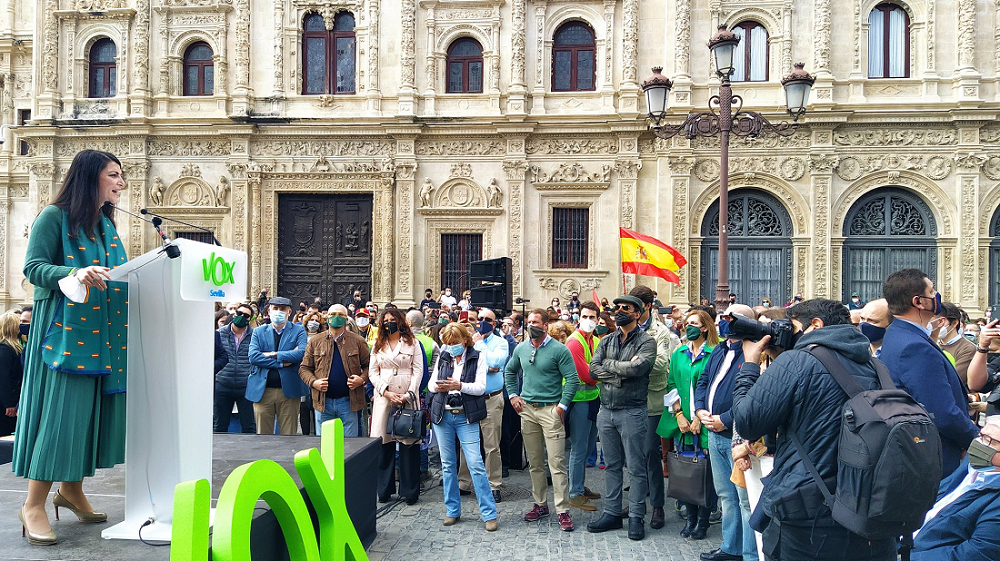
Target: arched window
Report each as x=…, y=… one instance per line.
x=760, y=248
x=199, y=70
x=886, y=230
x=103, y=71
x=328, y=56
x=888, y=42
x=750, y=58
x=995, y=259
x=573, y=58
x=465, y=66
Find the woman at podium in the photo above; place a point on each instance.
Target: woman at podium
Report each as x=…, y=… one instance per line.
x=71, y=418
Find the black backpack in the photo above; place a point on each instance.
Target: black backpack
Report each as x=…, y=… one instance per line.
x=889, y=457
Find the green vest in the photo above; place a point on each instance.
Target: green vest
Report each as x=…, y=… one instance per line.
x=428, y=344
x=585, y=393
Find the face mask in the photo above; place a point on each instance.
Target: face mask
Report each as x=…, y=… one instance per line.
x=855, y=300
x=362, y=322
x=692, y=332
x=23, y=328
x=443, y=320
x=390, y=327
x=798, y=298
x=980, y=455
x=576, y=317
x=796, y=337
x=312, y=325
x=601, y=330
x=723, y=328
x=535, y=332
x=485, y=328
x=447, y=293
x=241, y=321
x=279, y=317
x=622, y=318
x=874, y=333
x=587, y=325
x=455, y=350
x=337, y=322
x=555, y=303
x=767, y=304
x=958, y=335
x=970, y=336
x=302, y=308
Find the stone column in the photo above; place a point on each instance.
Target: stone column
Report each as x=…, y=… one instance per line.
x=239, y=209
x=48, y=101
x=628, y=92
x=538, y=90
x=243, y=92
x=136, y=172
x=408, y=60
x=822, y=37
x=5, y=206
x=516, y=99
x=140, y=97
x=374, y=95
x=430, y=65
x=971, y=293
x=406, y=185
x=254, y=180
x=966, y=88
x=682, y=55
x=607, y=67
x=627, y=167
x=278, y=90
x=383, y=221
x=676, y=206
x=859, y=72
x=821, y=166
x=515, y=168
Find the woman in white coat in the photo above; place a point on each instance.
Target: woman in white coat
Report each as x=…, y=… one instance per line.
x=395, y=371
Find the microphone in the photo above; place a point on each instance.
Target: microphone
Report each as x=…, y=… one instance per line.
x=173, y=252
x=168, y=219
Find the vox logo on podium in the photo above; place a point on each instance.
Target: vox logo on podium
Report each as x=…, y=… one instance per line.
x=218, y=270
x=321, y=475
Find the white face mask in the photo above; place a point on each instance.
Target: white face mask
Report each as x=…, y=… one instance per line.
x=588, y=325
x=362, y=322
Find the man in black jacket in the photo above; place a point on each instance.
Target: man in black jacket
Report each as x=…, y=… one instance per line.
x=797, y=395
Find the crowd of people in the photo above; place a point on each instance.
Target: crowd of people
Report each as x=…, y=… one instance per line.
x=762, y=398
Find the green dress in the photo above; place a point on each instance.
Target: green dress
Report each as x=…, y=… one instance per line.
x=67, y=426
x=684, y=376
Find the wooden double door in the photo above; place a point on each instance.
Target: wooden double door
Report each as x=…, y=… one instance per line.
x=324, y=246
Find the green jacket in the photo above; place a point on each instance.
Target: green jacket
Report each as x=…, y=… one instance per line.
x=684, y=376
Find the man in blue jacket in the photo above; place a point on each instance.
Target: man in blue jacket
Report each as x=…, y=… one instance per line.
x=274, y=385
x=964, y=524
x=713, y=401
x=919, y=367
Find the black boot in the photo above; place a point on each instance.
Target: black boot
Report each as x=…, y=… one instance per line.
x=604, y=523
x=691, y=514
x=701, y=528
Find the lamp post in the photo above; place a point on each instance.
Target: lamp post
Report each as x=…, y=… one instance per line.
x=721, y=120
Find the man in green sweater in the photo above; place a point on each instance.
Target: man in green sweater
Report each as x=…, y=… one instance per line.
x=549, y=383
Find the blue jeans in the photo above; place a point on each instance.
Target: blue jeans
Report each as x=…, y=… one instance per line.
x=582, y=436
x=225, y=397
x=623, y=439
x=737, y=536
x=454, y=426
x=339, y=408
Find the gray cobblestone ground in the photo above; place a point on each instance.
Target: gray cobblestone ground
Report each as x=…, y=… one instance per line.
x=416, y=533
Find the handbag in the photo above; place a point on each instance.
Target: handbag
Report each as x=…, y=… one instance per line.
x=407, y=424
x=690, y=475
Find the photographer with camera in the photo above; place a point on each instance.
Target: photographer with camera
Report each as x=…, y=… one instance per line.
x=797, y=398
x=457, y=406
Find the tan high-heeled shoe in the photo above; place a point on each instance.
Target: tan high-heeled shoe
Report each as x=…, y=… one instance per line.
x=47, y=538
x=85, y=517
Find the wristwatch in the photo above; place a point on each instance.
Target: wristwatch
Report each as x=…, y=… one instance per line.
x=982, y=350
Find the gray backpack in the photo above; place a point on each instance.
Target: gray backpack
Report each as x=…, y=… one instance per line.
x=888, y=460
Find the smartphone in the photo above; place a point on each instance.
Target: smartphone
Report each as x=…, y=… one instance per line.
x=666, y=310
x=994, y=309
x=463, y=317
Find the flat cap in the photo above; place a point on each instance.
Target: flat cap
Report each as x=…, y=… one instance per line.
x=279, y=301
x=633, y=300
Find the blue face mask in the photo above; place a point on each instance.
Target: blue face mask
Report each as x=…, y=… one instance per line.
x=455, y=350
x=874, y=333
x=723, y=328
x=485, y=328
x=279, y=317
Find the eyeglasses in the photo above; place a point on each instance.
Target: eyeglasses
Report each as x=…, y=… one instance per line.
x=987, y=439
x=489, y=320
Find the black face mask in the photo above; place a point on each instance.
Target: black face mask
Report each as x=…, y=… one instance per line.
x=390, y=328
x=23, y=328
x=795, y=338
x=622, y=318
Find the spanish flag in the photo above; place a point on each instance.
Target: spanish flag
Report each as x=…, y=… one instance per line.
x=643, y=255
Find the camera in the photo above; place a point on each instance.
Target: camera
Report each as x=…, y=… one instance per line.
x=780, y=330
x=520, y=300
x=455, y=401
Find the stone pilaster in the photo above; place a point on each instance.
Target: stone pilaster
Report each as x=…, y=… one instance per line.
x=821, y=166
x=970, y=294
x=675, y=205
x=243, y=92
x=406, y=185
x=515, y=168
x=408, y=60
x=516, y=99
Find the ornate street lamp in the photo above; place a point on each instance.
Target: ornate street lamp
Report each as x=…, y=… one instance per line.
x=721, y=120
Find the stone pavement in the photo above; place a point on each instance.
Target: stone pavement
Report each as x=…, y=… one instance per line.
x=415, y=532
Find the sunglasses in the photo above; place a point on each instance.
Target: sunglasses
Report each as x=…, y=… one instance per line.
x=244, y=314
x=624, y=307
x=531, y=360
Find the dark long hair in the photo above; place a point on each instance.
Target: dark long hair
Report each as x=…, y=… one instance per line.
x=80, y=193
x=404, y=329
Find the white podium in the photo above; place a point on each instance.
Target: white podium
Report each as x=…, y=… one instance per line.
x=170, y=384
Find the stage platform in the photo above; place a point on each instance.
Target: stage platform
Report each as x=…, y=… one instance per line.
x=106, y=492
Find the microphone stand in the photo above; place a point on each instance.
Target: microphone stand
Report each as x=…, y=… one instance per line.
x=168, y=219
x=172, y=251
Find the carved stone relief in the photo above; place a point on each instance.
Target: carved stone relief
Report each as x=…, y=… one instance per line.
x=568, y=174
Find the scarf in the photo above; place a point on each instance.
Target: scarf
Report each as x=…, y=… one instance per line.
x=90, y=337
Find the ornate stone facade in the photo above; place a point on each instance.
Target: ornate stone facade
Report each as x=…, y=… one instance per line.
x=498, y=163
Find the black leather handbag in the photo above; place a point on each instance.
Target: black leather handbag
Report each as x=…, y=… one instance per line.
x=404, y=423
x=690, y=475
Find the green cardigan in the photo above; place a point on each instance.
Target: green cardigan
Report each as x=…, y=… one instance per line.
x=684, y=375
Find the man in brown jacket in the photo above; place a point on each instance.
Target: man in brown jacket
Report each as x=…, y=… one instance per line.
x=335, y=367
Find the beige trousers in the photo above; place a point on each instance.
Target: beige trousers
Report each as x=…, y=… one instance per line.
x=490, y=432
x=273, y=404
x=543, y=432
